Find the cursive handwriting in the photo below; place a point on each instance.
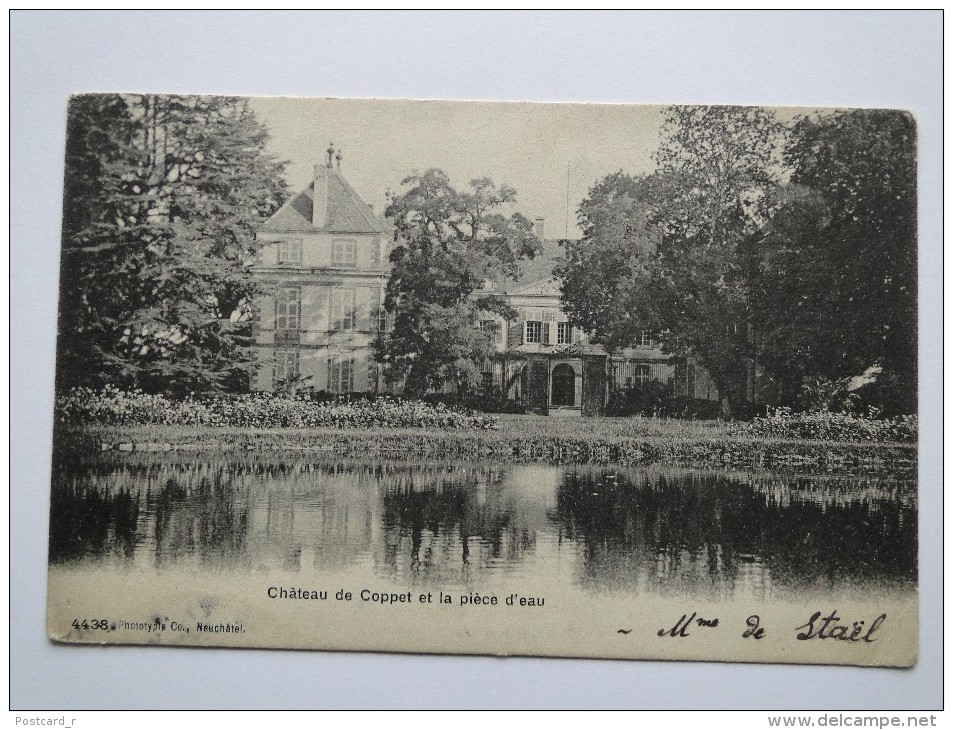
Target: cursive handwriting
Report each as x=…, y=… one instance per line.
x=828, y=628
x=680, y=629
x=754, y=627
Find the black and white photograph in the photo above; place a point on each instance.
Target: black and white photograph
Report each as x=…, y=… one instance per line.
x=457, y=377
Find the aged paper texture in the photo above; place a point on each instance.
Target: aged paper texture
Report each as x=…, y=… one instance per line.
x=514, y=379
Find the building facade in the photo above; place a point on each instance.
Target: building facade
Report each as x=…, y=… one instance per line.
x=549, y=365
x=324, y=264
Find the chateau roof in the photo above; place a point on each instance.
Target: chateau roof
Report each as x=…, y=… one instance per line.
x=346, y=212
x=539, y=269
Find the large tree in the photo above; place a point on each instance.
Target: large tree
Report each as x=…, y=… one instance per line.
x=858, y=254
x=162, y=197
x=448, y=244
x=673, y=251
x=722, y=165
x=606, y=277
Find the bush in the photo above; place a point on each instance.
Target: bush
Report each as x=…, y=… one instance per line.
x=476, y=402
x=823, y=394
x=114, y=407
x=891, y=393
x=655, y=399
x=826, y=426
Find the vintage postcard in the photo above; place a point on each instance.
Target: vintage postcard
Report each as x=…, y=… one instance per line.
x=514, y=379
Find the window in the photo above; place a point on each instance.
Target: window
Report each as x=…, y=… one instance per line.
x=345, y=253
x=494, y=329
x=487, y=377
x=645, y=339
x=372, y=371
x=534, y=332
x=289, y=251
x=288, y=309
x=563, y=333
x=643, y=374
x=286, y=365
x=381, y=319
x=341, y=374
x=685, y=379
x=342, y=310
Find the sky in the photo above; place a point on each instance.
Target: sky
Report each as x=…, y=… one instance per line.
x=541, y=150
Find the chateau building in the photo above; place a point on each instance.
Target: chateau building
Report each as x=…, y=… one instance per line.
x=324, y=265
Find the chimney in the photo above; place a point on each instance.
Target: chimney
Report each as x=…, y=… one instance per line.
x=319, y=211
x=539, y=228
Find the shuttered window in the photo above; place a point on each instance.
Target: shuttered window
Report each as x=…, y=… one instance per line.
x=289, y=251
x=288, y=309
x=534, y=332
x=345, y=252
x=563, y=333
x=286, y=365
x=342, y=310
x=341, y=374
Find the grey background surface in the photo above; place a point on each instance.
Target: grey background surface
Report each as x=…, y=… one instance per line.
x=891, y=59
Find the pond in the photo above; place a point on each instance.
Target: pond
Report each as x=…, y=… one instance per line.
x=650, y=530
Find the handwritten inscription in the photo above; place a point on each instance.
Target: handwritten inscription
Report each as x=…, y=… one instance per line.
x=754, y=629
x=680, y=629
x=827, y=627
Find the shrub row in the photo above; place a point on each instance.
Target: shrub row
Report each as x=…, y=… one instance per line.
x=114, y=407
x=655, y=400
x=782, y=423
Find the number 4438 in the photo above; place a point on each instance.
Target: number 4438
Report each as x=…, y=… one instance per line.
x=96, y=623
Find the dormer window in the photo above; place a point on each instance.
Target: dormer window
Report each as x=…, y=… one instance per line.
x=645, y=339
x=289, y=251
x=345, y=252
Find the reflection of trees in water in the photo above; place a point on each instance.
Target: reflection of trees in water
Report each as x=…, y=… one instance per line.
x=656, y=529
x=173, y=510
x=92, y=523
x=663, y=531
x=445, y=522
x=208, y=520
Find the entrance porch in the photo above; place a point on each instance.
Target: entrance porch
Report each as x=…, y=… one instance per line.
x=563, y=385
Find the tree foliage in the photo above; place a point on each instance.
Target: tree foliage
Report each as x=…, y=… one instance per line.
x=448, y=244
x=792, y=248
x=606, y=278
x=862, y=245
x=722, y=164
x=162, y=198
x=677, y=243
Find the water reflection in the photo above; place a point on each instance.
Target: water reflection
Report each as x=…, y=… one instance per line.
x=444, y=524
x=691, y=532
x=655, y=529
